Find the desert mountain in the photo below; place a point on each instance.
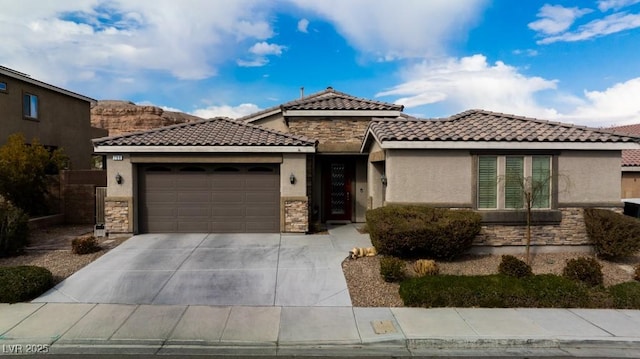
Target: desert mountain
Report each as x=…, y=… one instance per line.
x=119, y=117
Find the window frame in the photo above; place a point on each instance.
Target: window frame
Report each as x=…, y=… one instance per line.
x=5, y=88
x=501, y=193
x=29, y=115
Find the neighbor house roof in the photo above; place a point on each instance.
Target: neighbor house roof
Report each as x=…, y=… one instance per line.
x=630, y=158
x=212, y=135
x=28, y=79
x=485, y=129
x=329, y=100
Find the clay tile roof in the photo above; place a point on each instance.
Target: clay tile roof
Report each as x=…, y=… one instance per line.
x=331, y=99
x=630, y=158
x=481, y=125
x=212, y=132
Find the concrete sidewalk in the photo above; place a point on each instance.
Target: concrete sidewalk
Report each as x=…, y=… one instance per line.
x=72, y=328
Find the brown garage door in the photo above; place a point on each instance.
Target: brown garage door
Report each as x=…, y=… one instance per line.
x=209, y=198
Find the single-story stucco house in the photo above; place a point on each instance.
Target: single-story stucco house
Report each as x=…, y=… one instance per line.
x=331, y=156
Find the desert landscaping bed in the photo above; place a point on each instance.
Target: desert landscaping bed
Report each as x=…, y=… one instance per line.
x=368, y=289
x=51, y=248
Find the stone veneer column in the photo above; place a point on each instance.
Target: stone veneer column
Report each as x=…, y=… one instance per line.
x=118, y=215
x=570, y=231
x=296, y=214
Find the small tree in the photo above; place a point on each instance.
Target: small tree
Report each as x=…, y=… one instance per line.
x=23, y=172
x=530, y=192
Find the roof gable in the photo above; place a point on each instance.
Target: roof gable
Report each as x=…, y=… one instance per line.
x=211, y=132
x=28, y=79
x=327, y=100
x=475, y=127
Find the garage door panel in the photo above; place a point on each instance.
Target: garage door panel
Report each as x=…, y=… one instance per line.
x=209, y=201
x=227, y=197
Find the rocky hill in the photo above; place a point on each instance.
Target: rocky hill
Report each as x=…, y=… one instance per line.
x=119, y=117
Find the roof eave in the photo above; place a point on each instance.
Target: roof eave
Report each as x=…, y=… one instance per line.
x=204, y=149
x=27, y=79
x=498, y=145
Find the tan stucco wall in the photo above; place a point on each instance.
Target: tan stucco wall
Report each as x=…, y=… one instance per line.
x=63, y=121
x=433, y=177
x=125, y=169
x=297, y=164
x=588, y=177
x=274, y=122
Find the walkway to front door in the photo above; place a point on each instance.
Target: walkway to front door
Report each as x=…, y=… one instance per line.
x=217, y=269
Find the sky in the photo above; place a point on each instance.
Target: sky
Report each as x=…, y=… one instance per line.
x=569, y=61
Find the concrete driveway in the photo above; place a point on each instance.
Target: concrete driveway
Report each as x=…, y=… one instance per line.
x=217, y=269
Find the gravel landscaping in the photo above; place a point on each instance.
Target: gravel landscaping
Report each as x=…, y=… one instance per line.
x=51, y=248
x=368, y=289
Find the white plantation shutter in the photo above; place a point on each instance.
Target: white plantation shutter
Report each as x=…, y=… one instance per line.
x=513, y=186
x=487, y=182
x=541, y=181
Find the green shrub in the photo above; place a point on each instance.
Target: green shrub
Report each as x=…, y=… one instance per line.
x=392, y=269
x=22, y=283
x=612, y=234
x=514, y=267
x=626, y=295
x=493, y=291
x=84, y=245
x=14, y=229
x=584, y=269
x=419, y=231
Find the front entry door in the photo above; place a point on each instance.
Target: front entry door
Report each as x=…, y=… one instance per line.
x=338, y=195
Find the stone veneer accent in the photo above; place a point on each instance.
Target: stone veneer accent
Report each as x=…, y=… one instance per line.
x=570, y=231
x=346, y=130
x=296, y=215
x=117, y=215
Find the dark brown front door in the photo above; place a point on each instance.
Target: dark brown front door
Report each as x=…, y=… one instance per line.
x=338, y=195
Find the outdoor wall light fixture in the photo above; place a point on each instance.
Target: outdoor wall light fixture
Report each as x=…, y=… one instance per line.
x=118, y=179
x=383, y=179
x=292, y=179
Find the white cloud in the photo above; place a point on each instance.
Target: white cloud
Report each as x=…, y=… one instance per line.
x=226, y=111
x=616, y=105
x=303, y=25
x=605, y=5
x=187, y=39
x=412, y=28
x=264, y=48
x=470, y=82
x=609, y=25
x=556, y=18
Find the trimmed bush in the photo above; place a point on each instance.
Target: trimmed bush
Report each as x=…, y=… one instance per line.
x=392, y=269
x=22, y=283
x=514, y=267
x=84, y=245
x=612, y=234
x=626, y=295
x=493, y=291
x=424, y=267
x=419, y=231
x=584, y=269
x=14, y=231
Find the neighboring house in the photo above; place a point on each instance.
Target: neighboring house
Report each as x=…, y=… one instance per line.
x=466, y=160
x=331, y=156
x=630, y=165
x=58, y=118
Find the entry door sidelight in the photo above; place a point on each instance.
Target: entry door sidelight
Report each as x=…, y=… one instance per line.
x=338, y=192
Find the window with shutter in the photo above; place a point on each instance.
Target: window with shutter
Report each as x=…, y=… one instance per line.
x=514, y=182
x=541, y=178
x=487, y=182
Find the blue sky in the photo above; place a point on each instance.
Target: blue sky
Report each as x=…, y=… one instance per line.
x=570, y=61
